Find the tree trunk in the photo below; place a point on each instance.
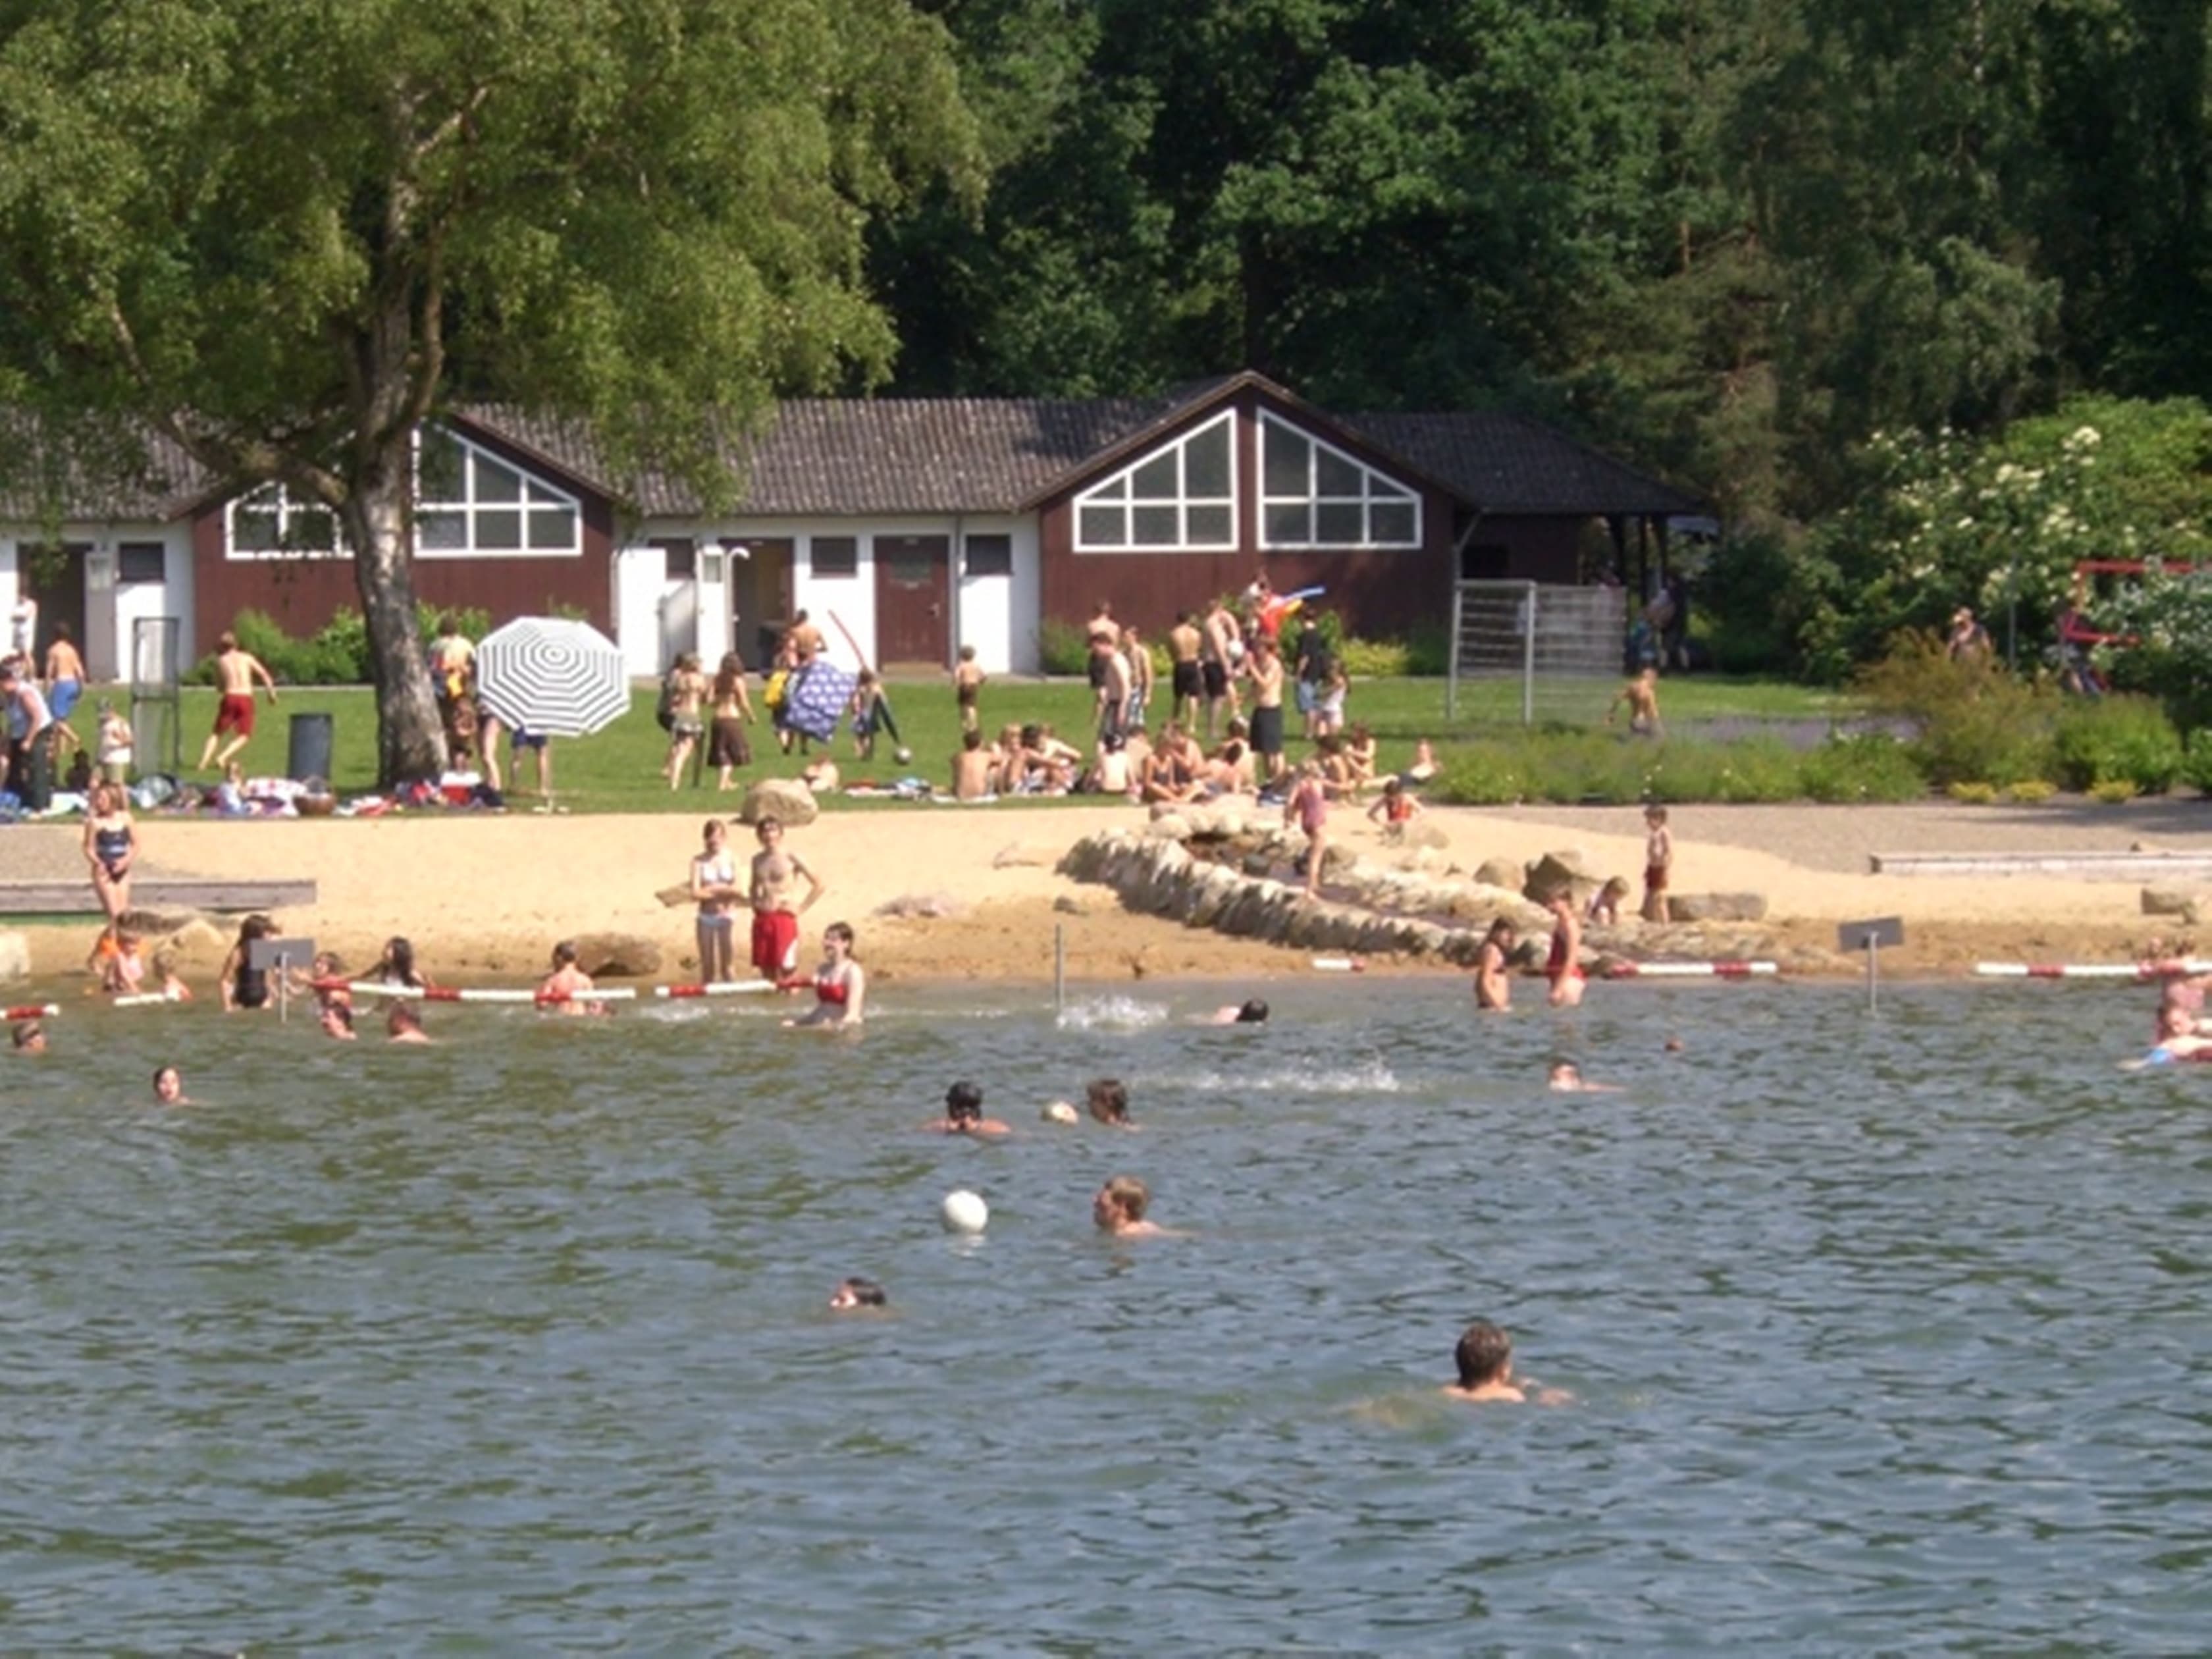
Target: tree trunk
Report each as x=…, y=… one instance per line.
x=410, y=739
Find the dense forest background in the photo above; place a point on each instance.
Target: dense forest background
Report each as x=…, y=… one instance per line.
x=1730, y=239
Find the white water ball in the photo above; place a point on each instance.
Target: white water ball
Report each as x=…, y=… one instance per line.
x=965, y=1212
x=1062, y=1112
x=905, y=756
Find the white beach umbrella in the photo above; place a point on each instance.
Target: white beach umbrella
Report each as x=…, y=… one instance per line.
x=552, y=676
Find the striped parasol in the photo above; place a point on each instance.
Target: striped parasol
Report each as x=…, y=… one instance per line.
x=552, y=676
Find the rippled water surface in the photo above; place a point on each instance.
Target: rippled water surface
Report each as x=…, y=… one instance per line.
x=1887, y=1333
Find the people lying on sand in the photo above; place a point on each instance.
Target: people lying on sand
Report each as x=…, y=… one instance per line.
x=964, y=1114
x=1485, y=1359
x=841, y=984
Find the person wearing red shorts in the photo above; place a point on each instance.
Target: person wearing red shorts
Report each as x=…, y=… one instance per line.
x=235, y=672
x=776, y=873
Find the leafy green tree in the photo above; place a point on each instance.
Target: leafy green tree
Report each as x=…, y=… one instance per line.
x=283, y=232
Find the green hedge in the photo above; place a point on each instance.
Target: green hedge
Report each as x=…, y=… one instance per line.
x=1576, y=767
x=337, y=655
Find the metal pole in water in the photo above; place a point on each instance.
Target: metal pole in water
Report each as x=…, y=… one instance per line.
x=1059, y=967
x=1874, y=974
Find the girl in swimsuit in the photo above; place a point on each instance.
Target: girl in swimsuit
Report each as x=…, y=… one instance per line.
x=1562, y=967
x=840, y=985
x=715, y=887
x=244, y=986
x=111, y=842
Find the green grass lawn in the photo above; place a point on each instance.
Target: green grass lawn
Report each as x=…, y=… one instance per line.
x=619, y=770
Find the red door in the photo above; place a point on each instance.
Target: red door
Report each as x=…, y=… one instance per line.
x=914, y=600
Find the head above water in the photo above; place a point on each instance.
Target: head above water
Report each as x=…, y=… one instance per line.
x=963, y=1102
x=29, y=1037
x=1109, y=1100
x=1122, y=1200
x=169, y=1086
x=859, y=1293
x=1254, y=1012
x=1485, y=1355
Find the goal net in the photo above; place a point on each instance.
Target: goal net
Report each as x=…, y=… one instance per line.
x=1534, y=651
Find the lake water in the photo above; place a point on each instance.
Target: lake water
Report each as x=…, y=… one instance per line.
x=1888, y=1334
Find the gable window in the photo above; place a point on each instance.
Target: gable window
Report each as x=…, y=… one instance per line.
x=141, y=562
x=1313, y=495
x=469, y=503
x=1183, y=495
x=268, y=523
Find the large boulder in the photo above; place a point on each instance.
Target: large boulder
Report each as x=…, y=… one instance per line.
x=784, y=800
x=1568, y=868
x=617, y=956
x=1421, y=833
x=1501, y=873
x=1716, y=906
x=2173, y=901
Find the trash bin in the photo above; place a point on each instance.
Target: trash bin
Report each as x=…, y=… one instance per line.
x=310, y=748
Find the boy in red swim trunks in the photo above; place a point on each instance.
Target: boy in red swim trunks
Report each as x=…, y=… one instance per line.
x=235, y=671
x=776, y=922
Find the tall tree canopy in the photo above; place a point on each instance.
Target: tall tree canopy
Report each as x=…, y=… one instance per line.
x=284, y=231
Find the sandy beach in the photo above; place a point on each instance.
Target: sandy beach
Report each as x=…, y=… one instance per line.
x=483, y=898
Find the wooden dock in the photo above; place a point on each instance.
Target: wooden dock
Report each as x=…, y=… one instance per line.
x=75, y=898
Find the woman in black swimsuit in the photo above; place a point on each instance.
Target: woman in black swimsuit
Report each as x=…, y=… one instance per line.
x=111, y=842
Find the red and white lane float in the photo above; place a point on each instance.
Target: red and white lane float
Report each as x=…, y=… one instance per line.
x=487, y=993
x=2133, y=972
x=1691, y=970
x=31, y=1010
x=143, y=1000
x=733, y=987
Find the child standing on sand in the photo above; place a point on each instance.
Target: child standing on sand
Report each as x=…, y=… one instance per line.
x=1658, y=860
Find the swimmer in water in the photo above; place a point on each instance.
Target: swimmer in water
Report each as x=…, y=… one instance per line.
x=1485, y=1358
x=841, y=984
x=1109, y=1100
x=855, y=1293
x=1493, y=989
x=2176, y=1041
x=403, y=1024
x=569, y=987
x=29, y=1037
x=1120, y=1207
x=1566, y=1078
x=964, y=1114
x=336, y=1019
x=1253, y=1011
x=169, y=1087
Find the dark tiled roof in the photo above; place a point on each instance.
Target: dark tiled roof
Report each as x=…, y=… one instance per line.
x=842, y=457
x=128, y=477
x=1506, y=465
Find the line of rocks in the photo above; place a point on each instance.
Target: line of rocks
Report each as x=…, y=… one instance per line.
x=1212, y=867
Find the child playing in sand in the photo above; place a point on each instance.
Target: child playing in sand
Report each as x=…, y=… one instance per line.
x=1395, y=810
x=1605, y=903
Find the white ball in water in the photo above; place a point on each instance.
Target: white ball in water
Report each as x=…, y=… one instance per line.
x=904, y=755
x=965, y=1212
x=1062, y=1112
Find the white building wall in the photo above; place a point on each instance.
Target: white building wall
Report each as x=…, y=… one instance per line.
x=113, y=607
x=998, y=614
x=641, y=575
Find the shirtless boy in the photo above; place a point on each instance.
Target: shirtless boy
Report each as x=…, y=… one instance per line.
x=775, y=921
x=1119, y=1209
x=1658, y=861
x=1265, y=670
x=568, y=987
x=1641, y=694
x=968, y=678
x=1186, y=681
x=971, y=768
x=235, y=672
x=1218, y=651
x=1484, y=1358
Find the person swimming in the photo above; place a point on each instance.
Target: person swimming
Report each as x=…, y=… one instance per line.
x=1119, y=1209
x=1109, y=1100
x=964, y=1114
x=1485, y=1361
x=1251, y=1011
x=853, y=1293
x=841, y=984
x=169, y=1086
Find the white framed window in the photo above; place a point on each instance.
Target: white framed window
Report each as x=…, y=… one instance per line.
x=1182, y=496
x=1314, y=494
x=471, y=504
x=268, y=523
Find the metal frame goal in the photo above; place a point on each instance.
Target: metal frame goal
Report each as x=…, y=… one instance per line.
x=1530, y=651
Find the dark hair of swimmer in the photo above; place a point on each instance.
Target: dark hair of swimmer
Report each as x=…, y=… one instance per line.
x=27, y=1033
x=399, y=959
x=1482, y=1354
x=1109, y=1100
x=862, y=1293
x=964, y=1100
x=1254, y=1012
x=564, y=953
x=1500, y=931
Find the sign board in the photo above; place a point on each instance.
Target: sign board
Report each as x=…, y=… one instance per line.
x=262, y=955
x=1876, y=930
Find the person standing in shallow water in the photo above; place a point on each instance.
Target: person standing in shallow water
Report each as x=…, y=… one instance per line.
x=1563, y=966
x=1484, y=1360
